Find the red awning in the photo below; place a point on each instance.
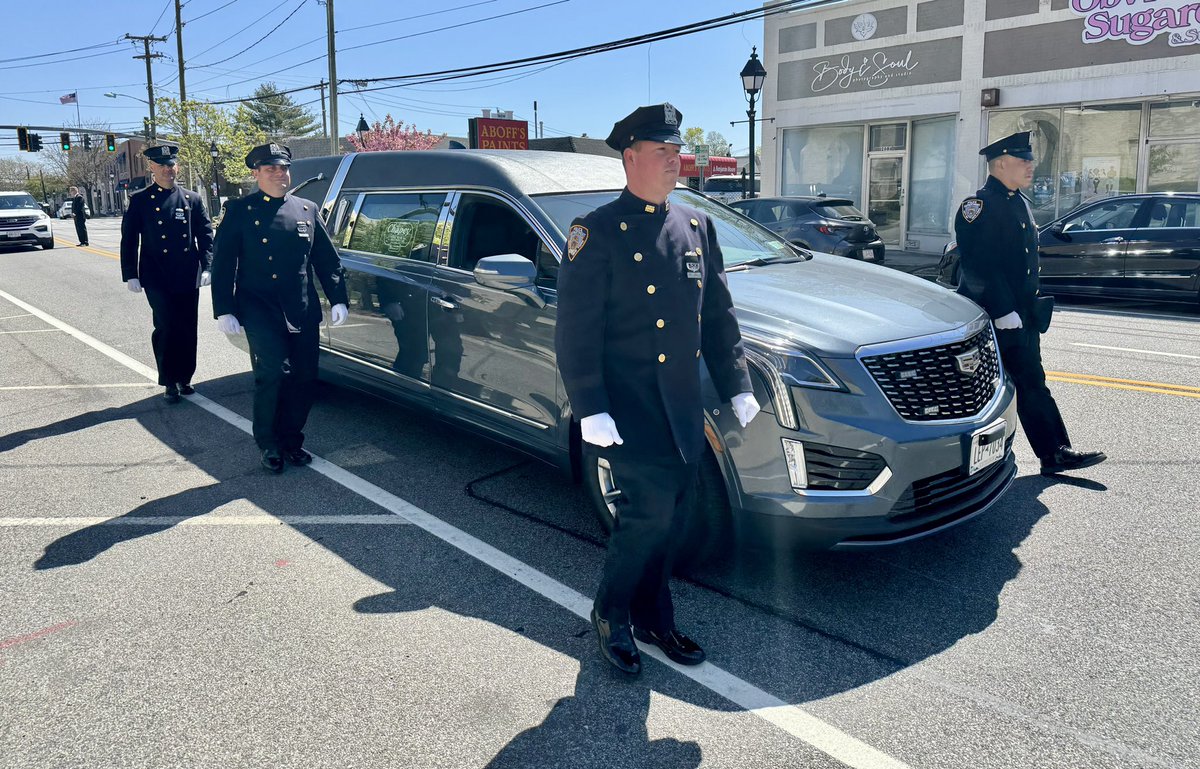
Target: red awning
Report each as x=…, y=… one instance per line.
x=716, y=165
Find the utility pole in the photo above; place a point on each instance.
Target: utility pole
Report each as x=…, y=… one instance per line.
x=334, y=149
x=146, y=40
x=183, y=110
x=324, y=125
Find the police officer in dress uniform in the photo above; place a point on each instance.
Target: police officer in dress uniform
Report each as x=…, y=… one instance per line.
x=641, y=297
x=166, y=250
x=998, y=243
x=269, y=247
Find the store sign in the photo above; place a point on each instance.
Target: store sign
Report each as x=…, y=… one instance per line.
x=874, y=71
x=897, y=66
x=1139, y=21
x=497, y=134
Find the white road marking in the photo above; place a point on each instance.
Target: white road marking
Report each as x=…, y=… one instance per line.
x=33, y=331
x=22, y=315
x=209, y=520
x=78, y=386
x=791, y=719
x=1130, y=349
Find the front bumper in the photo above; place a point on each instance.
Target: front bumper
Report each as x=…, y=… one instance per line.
x=39, y=232
x=923, y=486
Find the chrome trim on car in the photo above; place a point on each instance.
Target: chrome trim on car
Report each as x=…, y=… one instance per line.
x=781, y=397
x=493, y=409
x=876, y=486
x=335, y=184
x=363, y=362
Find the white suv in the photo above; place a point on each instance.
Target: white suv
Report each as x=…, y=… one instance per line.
x=727, y=188
x=22, y=221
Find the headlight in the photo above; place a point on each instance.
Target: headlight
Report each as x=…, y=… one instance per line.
x=783, y=367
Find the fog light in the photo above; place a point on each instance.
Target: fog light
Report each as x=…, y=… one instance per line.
x=793, y=454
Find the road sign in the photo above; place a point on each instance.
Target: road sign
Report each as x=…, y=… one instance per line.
x=701, y=155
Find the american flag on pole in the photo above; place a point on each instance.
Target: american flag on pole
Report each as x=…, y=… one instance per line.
x=70, y=98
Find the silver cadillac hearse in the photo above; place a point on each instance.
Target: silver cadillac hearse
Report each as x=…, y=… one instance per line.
x=886, y=413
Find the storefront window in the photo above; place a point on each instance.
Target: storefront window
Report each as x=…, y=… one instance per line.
x=932, y=176
x=828, y=160
x=1099, y=153
x=1045, y=126
x=1175, y=119
x=1174, y=167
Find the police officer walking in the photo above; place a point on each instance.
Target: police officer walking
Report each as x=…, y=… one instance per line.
x=166, y=250
x=641, y=297
x=998, y=243
x=269, y=247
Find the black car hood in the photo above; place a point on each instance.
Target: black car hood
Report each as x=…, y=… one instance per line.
x=833, y=305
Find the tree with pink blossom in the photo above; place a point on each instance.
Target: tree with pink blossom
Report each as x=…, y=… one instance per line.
x=390, y=135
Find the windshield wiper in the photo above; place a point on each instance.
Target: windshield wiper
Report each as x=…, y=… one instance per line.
x=763, y=261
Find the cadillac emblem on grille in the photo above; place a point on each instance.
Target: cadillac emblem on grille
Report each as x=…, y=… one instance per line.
x=969, y=362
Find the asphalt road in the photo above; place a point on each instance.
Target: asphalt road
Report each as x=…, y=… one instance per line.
x=416, y=598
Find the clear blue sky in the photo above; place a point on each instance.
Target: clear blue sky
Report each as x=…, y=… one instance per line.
x=697, y=73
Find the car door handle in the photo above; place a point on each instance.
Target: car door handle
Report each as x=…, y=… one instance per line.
x=443, y=303
x=1113, y=240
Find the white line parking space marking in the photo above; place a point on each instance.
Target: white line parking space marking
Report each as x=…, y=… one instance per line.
x=146, y=385
x=210, y=520
x=35, y=331
x=1130, y=349
x=791, y=719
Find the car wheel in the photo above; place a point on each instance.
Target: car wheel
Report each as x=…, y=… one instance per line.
x=47, y=244
x=707, y=528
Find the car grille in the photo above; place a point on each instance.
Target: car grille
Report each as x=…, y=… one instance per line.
x=837, y=469
x=17, y=222
x=950, y=492
x=930, y=384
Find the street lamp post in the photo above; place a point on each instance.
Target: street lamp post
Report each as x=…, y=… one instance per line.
x=153, y=135
x=753, y=75
x=361, y=129
x=212, y=150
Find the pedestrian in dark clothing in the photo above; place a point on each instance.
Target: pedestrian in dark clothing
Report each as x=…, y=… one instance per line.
x=268, y=250
x=166, y=250
x=998, y=242
x=79, y=214
x=641, y=297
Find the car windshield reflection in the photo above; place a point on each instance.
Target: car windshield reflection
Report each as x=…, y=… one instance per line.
x=742, y=241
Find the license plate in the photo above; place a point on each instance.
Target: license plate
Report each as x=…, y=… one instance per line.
x=868, y=255
x=987, y=447
x=12, y=234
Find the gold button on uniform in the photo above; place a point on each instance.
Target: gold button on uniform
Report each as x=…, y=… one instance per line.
x=1022, y=225
x=624, y=226
x=662, y=358
x=157, y=209
x=700, y=283
x=699, y=251
x=697, y=353
x=160, y=221
x=164, y=237
x=637, y=257
x=255, y=222
x=649, y=289
x=661, y=323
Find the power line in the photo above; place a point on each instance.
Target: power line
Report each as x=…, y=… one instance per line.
x=455, y=26
x=60, y=53
x=210, y=13
x=256, y=42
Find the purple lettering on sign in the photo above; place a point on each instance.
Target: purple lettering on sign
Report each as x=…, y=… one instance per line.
x=1139, y=21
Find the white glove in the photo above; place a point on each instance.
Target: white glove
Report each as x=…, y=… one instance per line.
x=228, y=324
x=745, y=406
x=1008, y=322
x=205, y=278
x=134, y=285
x=337, y=314
x=600, y=429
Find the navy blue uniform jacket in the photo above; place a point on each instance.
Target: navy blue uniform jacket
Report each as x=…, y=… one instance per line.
x=998, y=248
x=641, y=297
x=166, y=239
x=266, y=254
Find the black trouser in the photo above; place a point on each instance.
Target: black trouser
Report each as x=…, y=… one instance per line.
x=81, y=229
x=174, y=335
x=285, y=373
x=1021, y=352
x=655, y=500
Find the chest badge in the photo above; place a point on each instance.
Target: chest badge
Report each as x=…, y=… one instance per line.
x=179, y=215
x=971, y=209
x=694, y=270
x=302, y=229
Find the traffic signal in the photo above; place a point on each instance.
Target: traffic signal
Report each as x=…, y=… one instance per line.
x=23, y=139
x=87, y=141
x=35, y=142
x=64, y=140
x=110, y=142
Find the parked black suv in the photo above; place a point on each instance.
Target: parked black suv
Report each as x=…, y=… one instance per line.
x=1144, y=246
x=830, y=225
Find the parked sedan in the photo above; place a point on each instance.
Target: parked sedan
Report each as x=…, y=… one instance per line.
x=64, y=211
x=1144, y=246
x=830, y=225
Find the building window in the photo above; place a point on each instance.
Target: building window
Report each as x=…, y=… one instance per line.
x=892, y=137
x=931, y=176
x=1099, y=153
x=828, y=160
x=1045, y=126
x=1175, y=119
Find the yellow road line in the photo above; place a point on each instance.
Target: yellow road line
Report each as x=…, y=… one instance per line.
x=1160, y=388
x=89, y=249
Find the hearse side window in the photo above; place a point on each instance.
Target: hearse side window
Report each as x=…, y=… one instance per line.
x=399, y=225
x=484, y=226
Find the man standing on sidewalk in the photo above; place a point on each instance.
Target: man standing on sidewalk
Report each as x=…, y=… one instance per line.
x=166, y=250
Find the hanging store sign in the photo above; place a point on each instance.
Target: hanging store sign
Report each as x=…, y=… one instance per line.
x=1138, y=22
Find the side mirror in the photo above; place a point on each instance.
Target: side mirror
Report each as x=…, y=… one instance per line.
x=1058, y=230
x=512, y=273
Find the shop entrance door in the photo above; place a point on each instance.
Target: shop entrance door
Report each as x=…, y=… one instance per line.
x=885, y=196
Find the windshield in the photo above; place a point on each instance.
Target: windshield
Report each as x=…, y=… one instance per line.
x=18, y=202
x=741, y=239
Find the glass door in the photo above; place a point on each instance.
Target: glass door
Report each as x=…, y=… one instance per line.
x=885, y=197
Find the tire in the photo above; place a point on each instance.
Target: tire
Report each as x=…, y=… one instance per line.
x=708, y=527
x=47, y=244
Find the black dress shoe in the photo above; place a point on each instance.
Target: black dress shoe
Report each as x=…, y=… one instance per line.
x=186, y=389
x=1067, y=458
x=171, y=395
x=271, y=461
x=678, y=647
x=297, y=457
x=616, y=645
